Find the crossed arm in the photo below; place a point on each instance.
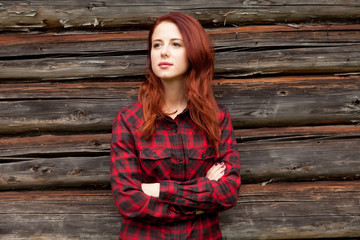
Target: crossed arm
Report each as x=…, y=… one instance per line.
x=214, y=173
x=170, y=200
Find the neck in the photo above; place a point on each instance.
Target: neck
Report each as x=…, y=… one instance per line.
x=175, y=97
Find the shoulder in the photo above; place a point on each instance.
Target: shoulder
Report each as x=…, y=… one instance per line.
x=223, y=112
x=131, y=115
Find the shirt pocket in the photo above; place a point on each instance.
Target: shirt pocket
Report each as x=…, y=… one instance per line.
x=200, y=161
x=155, y=165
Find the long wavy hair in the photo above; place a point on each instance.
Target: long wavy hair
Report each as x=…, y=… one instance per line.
x=200, y=98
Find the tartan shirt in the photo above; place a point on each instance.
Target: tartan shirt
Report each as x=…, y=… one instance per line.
x=177, y=156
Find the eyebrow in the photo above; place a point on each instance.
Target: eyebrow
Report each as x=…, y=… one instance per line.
x=172, y=39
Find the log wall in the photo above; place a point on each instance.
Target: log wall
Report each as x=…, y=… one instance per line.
x=289, y=72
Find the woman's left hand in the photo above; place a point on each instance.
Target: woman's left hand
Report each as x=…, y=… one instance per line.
x=216, y=171
x=151, y=189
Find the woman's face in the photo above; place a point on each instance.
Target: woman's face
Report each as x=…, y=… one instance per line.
x=168, y=54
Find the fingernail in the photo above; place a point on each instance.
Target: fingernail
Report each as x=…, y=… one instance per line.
x=216, y=164
x=222, y=163
x=222, y=166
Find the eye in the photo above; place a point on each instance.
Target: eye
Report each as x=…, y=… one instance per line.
x=156, y=45
x=176, y=44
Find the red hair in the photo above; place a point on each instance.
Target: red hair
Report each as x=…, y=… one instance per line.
x=200, y=98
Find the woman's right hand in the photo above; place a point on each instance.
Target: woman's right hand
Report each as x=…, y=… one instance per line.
x=216, y=171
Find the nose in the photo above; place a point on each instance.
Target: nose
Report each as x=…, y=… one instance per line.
x=165, y=51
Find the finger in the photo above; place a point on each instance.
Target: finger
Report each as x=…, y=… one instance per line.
x=213, y=169
x=217, y=172
x=217, y=175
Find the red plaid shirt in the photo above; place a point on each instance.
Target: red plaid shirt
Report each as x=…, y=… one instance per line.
x=178, y=157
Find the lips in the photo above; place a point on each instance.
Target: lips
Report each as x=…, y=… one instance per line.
x=165, y=64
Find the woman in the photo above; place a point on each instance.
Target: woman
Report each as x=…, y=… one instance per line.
x=174, y=160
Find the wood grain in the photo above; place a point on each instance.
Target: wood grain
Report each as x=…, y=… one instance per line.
x=273, y=211
x=288, y=71
x=259, y=102
x=244, y=51
x=280, y=154
x=66, y=14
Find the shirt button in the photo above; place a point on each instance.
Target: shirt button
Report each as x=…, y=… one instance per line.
x=154, y=154
x=203, y=155
x=174, y=130
x=181, y=162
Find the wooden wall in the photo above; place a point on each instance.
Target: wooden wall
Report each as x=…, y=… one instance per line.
x=288, y=70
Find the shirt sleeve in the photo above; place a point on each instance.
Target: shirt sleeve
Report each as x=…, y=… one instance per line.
x=125, y=177
x=202, y=193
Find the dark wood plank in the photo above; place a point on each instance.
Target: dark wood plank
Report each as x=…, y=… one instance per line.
x=43, y=14
x=56, y=172
x=240, y=52
x=120, y=42
x=274, y=211
x=259, y=102
x=59, y=215
x=281, y=154
x=28, y=148
x=295, y=211
x=235, y=63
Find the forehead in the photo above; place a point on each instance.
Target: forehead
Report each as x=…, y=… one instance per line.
x=166, y=30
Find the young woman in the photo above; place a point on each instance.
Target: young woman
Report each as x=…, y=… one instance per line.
x=174, y=158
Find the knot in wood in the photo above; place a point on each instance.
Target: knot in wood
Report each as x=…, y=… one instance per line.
x=79, y=113
x=75, y=171
x=355, y=102
x=11, y=179
x=282, y=93
x=96, y=143
x=41, y=170
x=96, y=4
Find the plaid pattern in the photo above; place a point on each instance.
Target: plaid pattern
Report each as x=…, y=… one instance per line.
x=178, y=157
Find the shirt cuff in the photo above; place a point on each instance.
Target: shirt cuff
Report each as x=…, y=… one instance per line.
x=168, y=190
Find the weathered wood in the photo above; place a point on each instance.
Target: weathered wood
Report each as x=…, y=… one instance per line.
x=261, y=102
x=282, y=154
x=100, y=43
x=295, y=211
x=240, y=51
x=56, y=172
x=58, y=215
x=296, y=158
x=43, y=14
x=274, y=211
x=28, y=148
x=68, y=123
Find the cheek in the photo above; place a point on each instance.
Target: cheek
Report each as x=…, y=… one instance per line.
x=185, y=62
x=152, y=57
x=181, y=59
x=152, y=60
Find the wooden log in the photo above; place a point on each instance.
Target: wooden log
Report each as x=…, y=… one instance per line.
x=56, y=172
x=315, y=155
x=42, y=14
x=261, y=102
x=85, y=43
x=240, y=51
x=51, y=146
x=232, y=63
x=274, y=211
x=281, y=154
x=295, y=211
x=59, y=215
